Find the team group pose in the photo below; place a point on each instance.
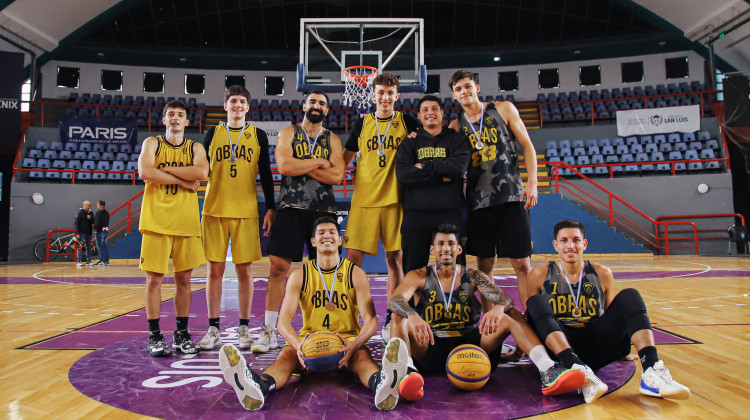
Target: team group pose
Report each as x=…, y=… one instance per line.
x=574, y=322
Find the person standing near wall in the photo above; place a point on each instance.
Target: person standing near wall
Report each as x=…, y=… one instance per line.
x=101, y=231
x=83, y=223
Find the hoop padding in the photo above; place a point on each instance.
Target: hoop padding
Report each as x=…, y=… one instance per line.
x=358, y=85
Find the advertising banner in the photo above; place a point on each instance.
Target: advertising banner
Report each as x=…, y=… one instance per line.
x=98, y=130
x=678, y=119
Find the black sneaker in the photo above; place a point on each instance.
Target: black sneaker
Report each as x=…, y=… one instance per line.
x=156, y=345
x=184, y=342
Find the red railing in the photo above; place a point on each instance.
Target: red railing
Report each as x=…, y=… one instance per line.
x=78, y=171
x=593, y=111
x=64, y=245
x=655, y=238
x=129, y=219
x=705, y=216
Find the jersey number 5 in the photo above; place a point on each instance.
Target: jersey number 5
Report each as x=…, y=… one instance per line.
x=233, y=170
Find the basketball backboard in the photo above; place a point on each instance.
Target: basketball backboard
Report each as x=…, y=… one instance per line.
x=328, y=46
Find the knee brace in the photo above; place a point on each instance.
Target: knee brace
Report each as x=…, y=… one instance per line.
x=540, y=316
x=634, y=310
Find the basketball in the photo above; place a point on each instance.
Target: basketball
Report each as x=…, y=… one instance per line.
x=321, y=350
x=468, y=367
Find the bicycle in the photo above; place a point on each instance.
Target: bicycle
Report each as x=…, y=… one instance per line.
x=60, y=244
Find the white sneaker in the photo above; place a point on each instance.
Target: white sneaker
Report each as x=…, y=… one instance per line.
x=267, y=340
x=236, y=374
x=657, y=382
x=385, y=333
x=79, y=265
x=244, y=338
x=211, y=339
x=394, y=367
x=593, y=388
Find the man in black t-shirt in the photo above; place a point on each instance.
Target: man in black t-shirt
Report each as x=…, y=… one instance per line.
x=83, y=226
x=101, y=230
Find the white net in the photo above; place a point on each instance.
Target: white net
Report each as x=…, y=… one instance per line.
x=358, y=86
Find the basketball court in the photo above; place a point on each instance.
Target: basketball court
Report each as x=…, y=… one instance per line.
x=82, y=334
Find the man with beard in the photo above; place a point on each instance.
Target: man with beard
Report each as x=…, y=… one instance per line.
x=311, y=162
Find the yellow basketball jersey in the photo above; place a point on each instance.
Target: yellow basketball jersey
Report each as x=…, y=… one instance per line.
x=376, y=184
x=171, y=209
x=231, y=189
x=344, y=318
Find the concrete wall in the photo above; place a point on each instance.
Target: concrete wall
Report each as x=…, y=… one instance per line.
x=90, y=80
x=29, y=222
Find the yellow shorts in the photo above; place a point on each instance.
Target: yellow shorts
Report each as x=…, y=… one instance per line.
x=244, y=234
x=186, y=251
x=368, y=224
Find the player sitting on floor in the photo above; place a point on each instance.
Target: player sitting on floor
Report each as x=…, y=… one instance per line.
x=445, y=313
x=332, y=293
x=574, y=304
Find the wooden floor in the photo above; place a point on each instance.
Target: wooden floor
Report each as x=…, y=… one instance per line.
x=695, y=297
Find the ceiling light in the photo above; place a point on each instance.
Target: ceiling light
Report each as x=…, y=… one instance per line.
x=662, y=43
x=496, y=59
x=183, y=59
x=577, y=52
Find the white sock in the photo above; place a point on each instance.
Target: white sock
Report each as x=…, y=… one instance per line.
x=271, y=318
x=541, y=359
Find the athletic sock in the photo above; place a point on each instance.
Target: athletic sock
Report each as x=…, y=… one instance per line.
x=182, y=322
x=387, y=317
x=245, y=322
x=153, y=325
x=373, y=382
x=648, y=356
x=213, y=322
x=267, y=383
x=569, y=358
x=540, y=358
x=271, y=318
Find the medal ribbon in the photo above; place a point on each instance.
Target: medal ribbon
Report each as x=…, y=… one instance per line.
x=333, y=280
x=471, y=125
x=377, y=126
x=233, y=146
x=580, y=280
x=307, y=138
x=453, y=285
x=169, y=134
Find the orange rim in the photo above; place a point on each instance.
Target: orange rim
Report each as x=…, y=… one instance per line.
x=350, y=73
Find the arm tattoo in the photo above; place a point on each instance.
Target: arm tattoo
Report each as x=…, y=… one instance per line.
x=400, y=306
x=489, y=290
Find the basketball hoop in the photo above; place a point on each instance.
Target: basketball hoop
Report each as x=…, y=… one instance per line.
x=358, y=85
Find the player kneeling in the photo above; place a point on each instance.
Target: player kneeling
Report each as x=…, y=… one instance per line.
x=446, y=313
x=332, y=293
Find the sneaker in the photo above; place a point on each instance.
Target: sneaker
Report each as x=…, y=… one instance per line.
x=411, y=388
x=393, y=370
x=266, y=341
x=106, y=263
x=184, y=342
x=594, y=387
x=244, y=338
x=99, y=264
x=385, y=333
x=240, y=377
x=558, y=380
x=90, y=264
x=657, y=382
x=211, y=339
x=156, y=345
x=79, y=265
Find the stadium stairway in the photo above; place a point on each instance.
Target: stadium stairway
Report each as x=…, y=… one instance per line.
x=602, y=239
x=529, y=112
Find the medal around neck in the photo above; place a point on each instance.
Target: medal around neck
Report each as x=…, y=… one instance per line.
x=381, y=152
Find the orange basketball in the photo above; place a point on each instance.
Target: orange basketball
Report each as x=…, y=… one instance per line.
x=468, y=367
x=321, y=350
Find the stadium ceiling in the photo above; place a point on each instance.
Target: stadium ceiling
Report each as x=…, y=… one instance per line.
x=264, y=34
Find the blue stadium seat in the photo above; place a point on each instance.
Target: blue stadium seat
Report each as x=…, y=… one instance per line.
x=695, y=166
x=103, y=165
x=651, y=148
x=608, y=150
x=118, y=165
x=551, y=152
x=43, y=164
x=59, y=164
x=660, y=138
x=126, y=148
x=579, y=151
x=36, y=174
x=617, y=141
x=79, y=155
x=675, y=138
x=705, y=154
x=56, y=145
x=612, y=159
x=50, y=154
x=565, y=151
x=114, y=176
x=98, y=147
x=712, y=144
x=71, y=147
x=93, y=156
x=28, y=163
x=132, y=166
x=622, y=149
x=134, y=157
x=631, y=140
x=665, y=147
x=695, y=145
x=563, y=144
x=636, y=148
x=52, y=175
x=65, y=154
x=551, y=144
x=35, y=153
x=88, y=165
x=83, y=176
x=84, y=147
x=137, y=148
x=42, y=145
x=688, y=137
x=108, y=156
x=646, y=140
x=704, y=135
x=578, y=143
x=66, y=175
x=122, y=157
x=676, y=155
x=112, y=148
x=74, y=164
x=680, y=146
x=593, y=150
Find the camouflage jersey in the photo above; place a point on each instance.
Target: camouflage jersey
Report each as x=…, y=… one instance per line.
x=562, y=298
x=493, y=176
x=304, y=191
x=464, y=308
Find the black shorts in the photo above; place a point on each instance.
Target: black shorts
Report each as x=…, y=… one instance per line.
x=291, y=231
x=416, y=235
x=434, y=359
x=502, y=230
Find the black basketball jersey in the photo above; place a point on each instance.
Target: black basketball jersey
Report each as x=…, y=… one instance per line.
x=493, y=177
x=562, y=298
x=303, y=191
x=461, y=315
